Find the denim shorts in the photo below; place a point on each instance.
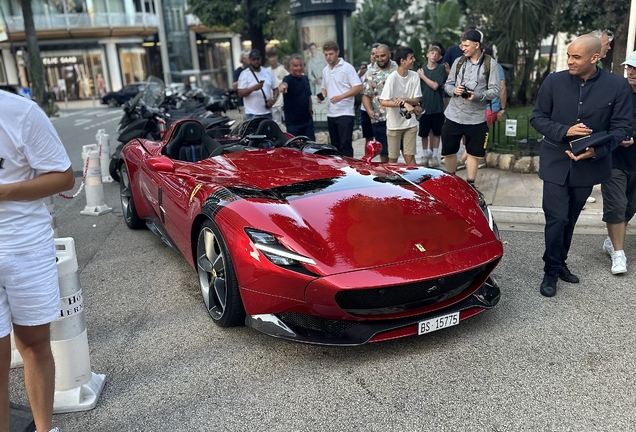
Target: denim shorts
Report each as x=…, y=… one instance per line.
x=29, y=291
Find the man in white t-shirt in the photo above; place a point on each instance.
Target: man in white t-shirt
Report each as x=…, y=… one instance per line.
x=279, y=72
x=340, y=84
x=401, y=93
x=33, y=165
x=258, y=88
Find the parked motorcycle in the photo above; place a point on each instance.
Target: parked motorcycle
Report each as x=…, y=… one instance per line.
x=149, y=114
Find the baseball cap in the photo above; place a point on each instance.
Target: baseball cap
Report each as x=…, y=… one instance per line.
x=631, y=60
x=434, y=47
x=473, y=36
x=254, y=54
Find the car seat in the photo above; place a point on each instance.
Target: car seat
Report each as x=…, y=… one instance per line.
x=190, y=143
x=268, y=134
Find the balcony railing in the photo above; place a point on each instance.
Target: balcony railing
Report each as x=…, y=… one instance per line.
x=62, y=21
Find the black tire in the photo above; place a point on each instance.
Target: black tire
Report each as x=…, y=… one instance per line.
x=132, y=219
x=112, y=169
x=112, y=102
x=217, y=278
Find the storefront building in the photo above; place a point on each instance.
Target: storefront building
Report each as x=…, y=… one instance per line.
x=87, y=47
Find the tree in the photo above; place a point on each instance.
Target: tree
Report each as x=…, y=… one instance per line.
x=382, y=21
x=443, y=22
x=248, y=17
x=583, y=16
x=35, y=67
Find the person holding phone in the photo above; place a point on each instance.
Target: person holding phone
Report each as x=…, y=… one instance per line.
x=340, y=84
x=619, y=192
x=258, y=88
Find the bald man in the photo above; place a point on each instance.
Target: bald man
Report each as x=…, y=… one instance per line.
x=582, y=102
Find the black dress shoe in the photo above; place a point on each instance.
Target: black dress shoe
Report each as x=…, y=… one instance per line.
x=566, y=275
x=548, y=286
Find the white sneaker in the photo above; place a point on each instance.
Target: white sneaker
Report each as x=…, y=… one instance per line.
x=619, y=262
x=608, y=247
x=591, y=199
x=433, y=162
x=424, y=161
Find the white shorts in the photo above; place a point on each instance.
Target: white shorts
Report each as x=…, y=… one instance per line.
x=29, y=291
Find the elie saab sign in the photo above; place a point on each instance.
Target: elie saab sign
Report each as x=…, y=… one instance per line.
x=308, y=6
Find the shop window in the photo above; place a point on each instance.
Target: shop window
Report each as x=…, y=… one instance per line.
x=76, y=74
x=218, y=61
x=133, y=64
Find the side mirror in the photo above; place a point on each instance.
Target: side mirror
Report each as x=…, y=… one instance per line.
x=161, y=164
x=371, y=150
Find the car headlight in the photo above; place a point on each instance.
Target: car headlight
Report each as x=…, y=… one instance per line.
x=276, y=252
x=488, y=215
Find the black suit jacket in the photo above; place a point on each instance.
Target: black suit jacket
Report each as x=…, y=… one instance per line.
x=602, y=103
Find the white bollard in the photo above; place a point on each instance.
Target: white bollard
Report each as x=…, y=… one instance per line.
x=98, y=135
x=77, y=388
x=16, y=358
x=104, y=158
x=50, y=206
x=95, y=204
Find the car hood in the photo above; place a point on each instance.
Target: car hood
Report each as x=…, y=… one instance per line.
x=348, y=215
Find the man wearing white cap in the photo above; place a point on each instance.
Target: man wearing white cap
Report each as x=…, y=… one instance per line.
x=619, y=193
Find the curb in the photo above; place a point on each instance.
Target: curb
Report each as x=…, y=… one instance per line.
x=534, y=216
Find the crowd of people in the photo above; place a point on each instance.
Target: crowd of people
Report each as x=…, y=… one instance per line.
x=448, y=100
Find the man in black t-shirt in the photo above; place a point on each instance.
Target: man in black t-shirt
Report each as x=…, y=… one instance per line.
x=297, y=100
x=432, y=79
x=619, y=193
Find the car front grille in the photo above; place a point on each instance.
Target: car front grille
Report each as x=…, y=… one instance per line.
x=311, y=322
x=401, y=298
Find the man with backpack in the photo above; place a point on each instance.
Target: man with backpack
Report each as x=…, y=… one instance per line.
x=473, y=81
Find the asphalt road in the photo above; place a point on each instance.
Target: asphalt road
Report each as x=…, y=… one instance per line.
x=531, y=364
x=77, y=128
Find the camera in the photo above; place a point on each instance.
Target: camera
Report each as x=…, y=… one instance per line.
x=404, y=113
x=465, y=94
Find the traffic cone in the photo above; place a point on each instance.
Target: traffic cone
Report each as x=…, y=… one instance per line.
x=104, y=158
x=77, y=388
x=95, y=204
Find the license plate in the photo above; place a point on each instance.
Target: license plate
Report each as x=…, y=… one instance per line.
x=438, y=323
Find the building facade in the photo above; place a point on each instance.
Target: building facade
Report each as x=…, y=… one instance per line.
x=89, y=47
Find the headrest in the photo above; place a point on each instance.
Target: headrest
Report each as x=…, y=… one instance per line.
x=191, y=132
x=269, y=128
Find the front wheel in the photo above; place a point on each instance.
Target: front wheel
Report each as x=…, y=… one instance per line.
x=128, y=209
x=112, y=102
x=112, y=169
x=217, y=278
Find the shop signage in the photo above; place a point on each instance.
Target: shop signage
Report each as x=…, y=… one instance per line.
x=62, y=60
x=311, y=6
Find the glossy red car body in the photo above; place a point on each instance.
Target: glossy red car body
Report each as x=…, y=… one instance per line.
x=391, y=245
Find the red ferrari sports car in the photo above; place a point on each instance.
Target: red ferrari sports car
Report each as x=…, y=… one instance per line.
x=299, y=242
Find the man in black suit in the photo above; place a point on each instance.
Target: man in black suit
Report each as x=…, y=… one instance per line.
x=583, y=102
